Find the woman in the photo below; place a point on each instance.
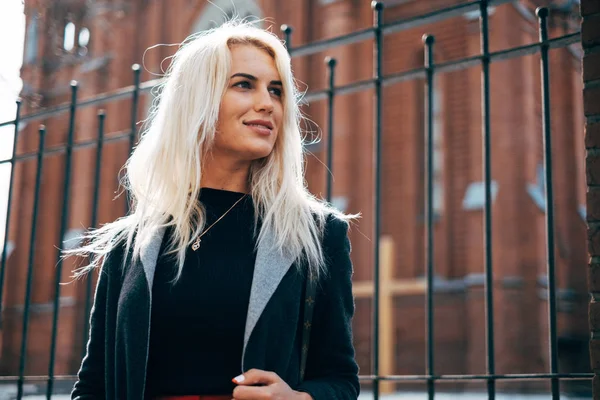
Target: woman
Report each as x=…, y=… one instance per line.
x=202, y=287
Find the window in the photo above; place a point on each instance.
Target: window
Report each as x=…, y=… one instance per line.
x=340, y=203
x=475, y=195
x=83, y=41
x=231, y=14
x=69, y=37
x=438, y=152
x=437, y=148
x=537, y=190
x=31, y=45
x=214, y=16
x=84, y=37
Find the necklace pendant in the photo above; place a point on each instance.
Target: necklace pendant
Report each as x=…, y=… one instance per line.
x=196, y=244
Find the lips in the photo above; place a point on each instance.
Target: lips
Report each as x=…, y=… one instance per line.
x=263, y=127
x=262, y=122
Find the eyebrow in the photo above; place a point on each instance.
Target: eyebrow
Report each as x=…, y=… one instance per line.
x=253, y=78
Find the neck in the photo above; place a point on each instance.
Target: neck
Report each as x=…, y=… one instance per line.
x=223, y=175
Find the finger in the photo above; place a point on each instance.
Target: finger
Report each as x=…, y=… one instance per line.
x=251, y=393
x=256, y=376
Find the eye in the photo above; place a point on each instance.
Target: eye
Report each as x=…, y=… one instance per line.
x=276, y=91
x=243, y=84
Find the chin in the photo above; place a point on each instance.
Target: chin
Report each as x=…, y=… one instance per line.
x=260, y=155
x=258, y=152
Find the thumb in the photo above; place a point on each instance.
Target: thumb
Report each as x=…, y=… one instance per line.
x=256, y=377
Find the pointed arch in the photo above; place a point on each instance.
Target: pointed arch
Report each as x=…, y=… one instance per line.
x=218, y=11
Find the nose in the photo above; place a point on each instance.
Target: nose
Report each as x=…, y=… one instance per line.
x=263, y=101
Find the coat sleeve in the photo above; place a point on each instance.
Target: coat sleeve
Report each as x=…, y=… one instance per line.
x=90, y=378
x=331, y=369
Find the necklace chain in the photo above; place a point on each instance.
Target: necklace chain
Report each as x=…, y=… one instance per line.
x=196, y=244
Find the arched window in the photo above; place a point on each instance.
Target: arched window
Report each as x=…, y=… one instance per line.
x=438, y=151
x=82, y=41
x=84, y=37
x=214, y=16
x=438, y=173
x=31, y=44
x=69, y=37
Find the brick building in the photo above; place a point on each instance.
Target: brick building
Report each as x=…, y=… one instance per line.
x=96, y=43
x=590, y=39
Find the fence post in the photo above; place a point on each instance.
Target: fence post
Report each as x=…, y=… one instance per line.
x=377, y=7
x=30, y=263
x=94, y=224
x=486, y=124
x=590, y=40
x=64, y=222
x=429, y=40
x=4, y=249
x=542, y=14
x=331, y=63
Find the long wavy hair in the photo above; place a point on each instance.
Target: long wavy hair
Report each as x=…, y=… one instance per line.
x=163, y=174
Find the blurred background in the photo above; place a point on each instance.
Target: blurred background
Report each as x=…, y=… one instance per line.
x=45, y=45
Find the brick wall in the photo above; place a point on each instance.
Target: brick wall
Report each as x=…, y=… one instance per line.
x=519, y=244
x=590, y=39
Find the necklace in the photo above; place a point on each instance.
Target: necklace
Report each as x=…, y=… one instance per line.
x=196, y=244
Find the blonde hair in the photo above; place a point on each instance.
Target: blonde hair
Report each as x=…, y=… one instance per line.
x=164, y=171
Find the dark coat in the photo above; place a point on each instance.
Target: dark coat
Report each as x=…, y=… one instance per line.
x=115, y=364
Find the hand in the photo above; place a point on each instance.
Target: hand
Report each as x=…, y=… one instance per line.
x=274, y=387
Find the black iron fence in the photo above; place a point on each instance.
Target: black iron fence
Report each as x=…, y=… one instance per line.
x=429, y=71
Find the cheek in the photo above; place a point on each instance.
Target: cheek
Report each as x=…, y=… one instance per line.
x=232, y=107
x=225, y=115
x=279, y=117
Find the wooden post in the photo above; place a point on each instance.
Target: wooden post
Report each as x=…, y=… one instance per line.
x=388, y=290
x=387, y=342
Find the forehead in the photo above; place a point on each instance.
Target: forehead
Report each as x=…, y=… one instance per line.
x=252, y=60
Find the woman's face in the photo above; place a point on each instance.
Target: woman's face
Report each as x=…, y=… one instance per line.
x=251, y=111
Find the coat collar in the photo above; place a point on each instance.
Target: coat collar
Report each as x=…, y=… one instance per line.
x=270, y=267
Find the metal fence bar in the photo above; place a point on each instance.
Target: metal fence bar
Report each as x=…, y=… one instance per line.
x=393, y=27
x=449, y=66
x=94, y=224
x=438, y=15
x=132, y=135
x=378, y=72
x=331, y=62
x=123, y=135
x=485, y=377
x=542, y=14
x=103, y=98
x=576, y=376
x=287, y=34
x=389, y=28
x=32, y=237
x=327, y=44
x=4, y=256
x=134, y=105
x=63, y=228
x=429, y=328
x=487, y=172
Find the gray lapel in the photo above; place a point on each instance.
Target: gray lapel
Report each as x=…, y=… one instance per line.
x=270, y=267
x=149, y=255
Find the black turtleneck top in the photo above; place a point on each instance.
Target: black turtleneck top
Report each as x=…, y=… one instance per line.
x=197, y=324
